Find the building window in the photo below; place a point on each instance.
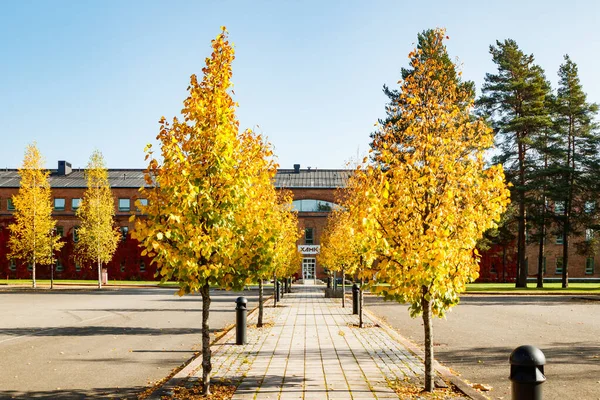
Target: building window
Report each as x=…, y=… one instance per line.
x=75, y=204
x=589, y=266
x=60, y=231
x=122, y=266
x=59, y=266
x=310, y=205
x=559, y=265
x=589, y=235
x=589, y=206
x=544, y=266
x=75, y=234
x=143, y=203
x=124, y=230
x=77, y=267
x=13, y=265
x=309, y=236
x=559, y=239
x=559, y=207
x=10, y=206
x=142, y=266
x=124, y=204
x=29, y=267
x=59, y=204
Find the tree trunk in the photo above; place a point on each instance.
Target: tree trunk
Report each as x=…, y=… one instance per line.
x=427, y=324
x=343, y=288
x=260, y=304
x=206, y=364
x=33, y=272
x=360, y=305
x=99, y=274
x=565, y=266
x=274, y=290
x=521, y=270
x=540, y=274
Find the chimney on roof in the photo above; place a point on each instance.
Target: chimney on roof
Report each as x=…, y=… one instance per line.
x=64, y=168
x=296, y=168
x=308, y=169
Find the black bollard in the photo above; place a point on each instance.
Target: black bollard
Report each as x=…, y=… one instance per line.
x=241, y=313
x=527, y=373
x=281, y=288
x=355, y=299
x=277, y=291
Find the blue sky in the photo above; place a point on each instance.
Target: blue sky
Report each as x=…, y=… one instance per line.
x=80, y=75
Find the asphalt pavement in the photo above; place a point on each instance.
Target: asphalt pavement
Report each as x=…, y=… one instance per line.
x=73, y=344
x=477, y=337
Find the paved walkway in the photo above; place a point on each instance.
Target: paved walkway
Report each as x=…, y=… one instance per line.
x=311, y=348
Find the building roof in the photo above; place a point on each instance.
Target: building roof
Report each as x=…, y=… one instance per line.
x=134, y=178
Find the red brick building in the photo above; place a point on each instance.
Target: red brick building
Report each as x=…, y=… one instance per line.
x=313, y=192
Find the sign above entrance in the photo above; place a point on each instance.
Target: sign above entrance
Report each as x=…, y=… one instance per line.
x=309, y=248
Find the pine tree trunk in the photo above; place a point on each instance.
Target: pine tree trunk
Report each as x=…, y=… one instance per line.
x=540, y=274
x=521, y=270
x=427, y=324
x=206, y=354
x=343, y=287
x=260, y=304
x=565, y=266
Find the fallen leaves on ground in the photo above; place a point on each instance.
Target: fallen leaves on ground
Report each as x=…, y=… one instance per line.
x=219, y=391
x=407, y=389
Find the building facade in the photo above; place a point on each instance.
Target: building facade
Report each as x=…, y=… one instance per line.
x=314, y=197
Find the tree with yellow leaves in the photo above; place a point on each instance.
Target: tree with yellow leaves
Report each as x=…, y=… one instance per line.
x=196, y=224
x=98, y=237
x=432, y=197
x=347, y=245
x=32, y=234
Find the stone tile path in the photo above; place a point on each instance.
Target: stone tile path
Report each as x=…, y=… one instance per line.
x=311, y=349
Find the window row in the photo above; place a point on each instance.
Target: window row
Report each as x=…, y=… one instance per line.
x=12, y=266
x=124, y=204
x=60, y=231
x=558, y=265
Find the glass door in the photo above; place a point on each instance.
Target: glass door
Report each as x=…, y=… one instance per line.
x=308, y=270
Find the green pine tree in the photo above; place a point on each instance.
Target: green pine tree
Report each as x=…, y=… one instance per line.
x=576, y=187
x=515, y=99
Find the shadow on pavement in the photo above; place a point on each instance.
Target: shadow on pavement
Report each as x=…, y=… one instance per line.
x=101, y=330
x=71, y=394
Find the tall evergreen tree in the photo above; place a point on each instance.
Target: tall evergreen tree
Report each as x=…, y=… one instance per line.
x=576, y=187
x=428, y=48
x=516, y=100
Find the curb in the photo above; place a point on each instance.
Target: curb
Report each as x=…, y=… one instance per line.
x=440, y=369
x=196, y=361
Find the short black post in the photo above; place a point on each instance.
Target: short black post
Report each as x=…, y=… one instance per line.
x=286, y=284
x=527, y=373
x=355, y=299
x=241, y=314
x=281, y=288
x=277, y=291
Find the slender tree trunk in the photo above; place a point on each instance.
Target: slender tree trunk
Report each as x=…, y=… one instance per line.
x=521, y=270
x=51, y=275
x=260, y=304
x=206, y=354
x=33, y=271
x=274, y=290
x=99, y=264
x=360, y=305
x=427, y=324
x=343, y=288
x=565, y=266
x=540, y=274
x=568, y=204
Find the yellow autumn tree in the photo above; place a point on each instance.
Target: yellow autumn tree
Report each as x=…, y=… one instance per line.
x=32, y=237
x=432, y=196
x=98, y=237
x=195, y=226
x=347, y=245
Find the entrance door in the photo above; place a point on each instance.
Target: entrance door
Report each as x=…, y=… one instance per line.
x=308, y=270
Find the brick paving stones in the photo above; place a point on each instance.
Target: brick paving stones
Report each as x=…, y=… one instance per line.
x=311, y=349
